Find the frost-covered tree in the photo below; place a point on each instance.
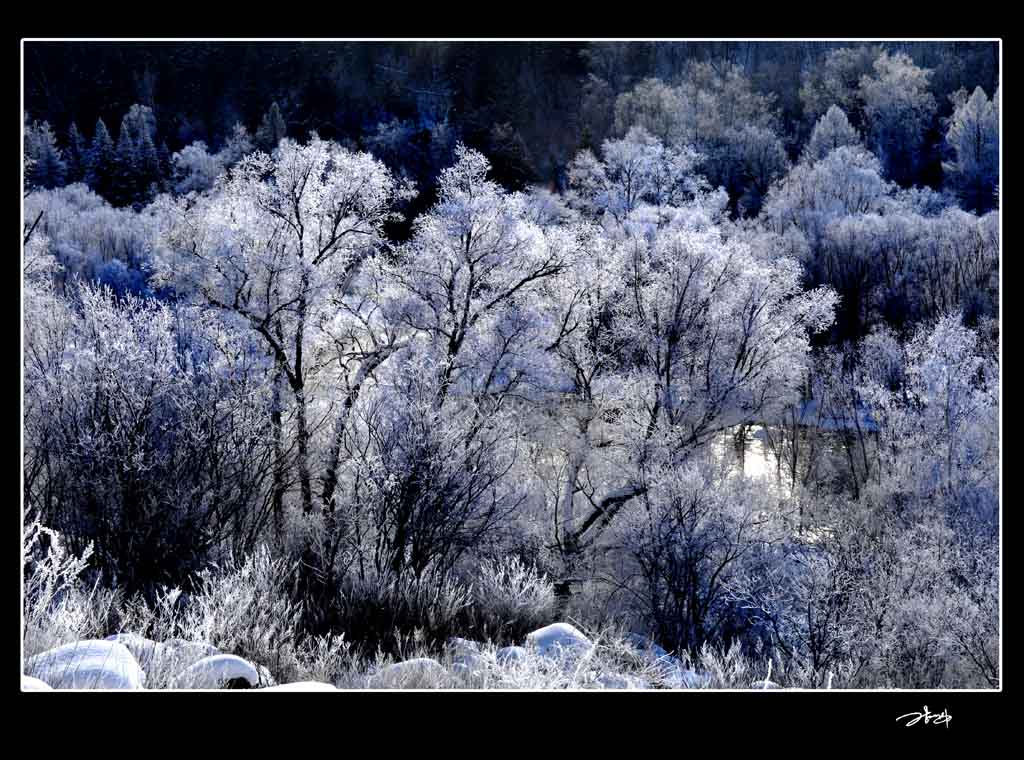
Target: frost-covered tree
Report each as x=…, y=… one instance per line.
x=238, y=145
x=690, y=545
x=973, y=137
x=195, y=169
x=899, y=109
x=832, y=131
x=716, y=337
x=439, y=437
x=760, y=158
x=938, y=441
x=713, y=109
x=654, y=106
x=836, y=82
x=145, y=434
x=87, y=235
x=281, y=244
x=471, y=263
x=638, y=169
x=847, y=181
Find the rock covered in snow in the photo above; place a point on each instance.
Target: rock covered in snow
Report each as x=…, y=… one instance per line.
x=28, y=683
x=559, y=639
x=219, y=671
x=165, y=659
x=420, y=673
x=91, y=664
x=302, y=686
x=510, y=656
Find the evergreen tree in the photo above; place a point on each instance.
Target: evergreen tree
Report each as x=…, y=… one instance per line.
x=272, y=130
x=76, y=155
x=46, y=167
x=973, y=137
x=149, y=175
x=166, y=167
x=139, y=121
x=238, y=144
x=100, y=161
x=126, y=170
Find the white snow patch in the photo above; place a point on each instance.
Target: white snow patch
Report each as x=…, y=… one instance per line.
x=302, y=686
x=559, y=639
x=213, y=672
x=90, y=664
x=28, y=683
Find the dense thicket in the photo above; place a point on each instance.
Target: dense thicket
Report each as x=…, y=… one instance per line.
x=426, y=376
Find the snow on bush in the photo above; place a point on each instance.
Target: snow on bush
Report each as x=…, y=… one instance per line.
x=419, y=673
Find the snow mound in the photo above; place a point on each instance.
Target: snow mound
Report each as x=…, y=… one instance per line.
x=28, y=683
x=302, y=686
x=421, y=673
x=215, y=672
x=510, y=656
x=765, y=684
x=90, y=664
x=559, y=639
x=161, y=660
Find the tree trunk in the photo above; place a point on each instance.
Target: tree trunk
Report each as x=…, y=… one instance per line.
x=302, y=439
x=277, y=498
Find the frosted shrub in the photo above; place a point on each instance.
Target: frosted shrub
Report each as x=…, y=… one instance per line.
x=248, y=612
x=389, y=612
x=58, y=606
x=512, y=598
x=324, y=658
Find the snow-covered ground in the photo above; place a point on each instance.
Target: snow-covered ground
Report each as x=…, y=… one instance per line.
x=557, y=656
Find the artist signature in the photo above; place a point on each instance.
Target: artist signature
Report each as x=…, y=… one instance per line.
x=927, y=717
